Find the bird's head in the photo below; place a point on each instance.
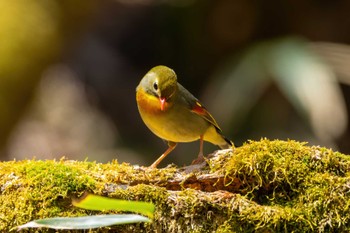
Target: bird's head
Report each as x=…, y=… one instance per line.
x=161, y=82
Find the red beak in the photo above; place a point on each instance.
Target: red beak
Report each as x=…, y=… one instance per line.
x=162, y=103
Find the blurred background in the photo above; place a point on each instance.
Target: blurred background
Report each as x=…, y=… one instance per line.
x=69, y=69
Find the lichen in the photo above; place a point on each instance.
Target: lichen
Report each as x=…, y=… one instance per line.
x=262, y=186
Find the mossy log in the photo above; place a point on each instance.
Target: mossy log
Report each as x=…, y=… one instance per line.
x=264, y=186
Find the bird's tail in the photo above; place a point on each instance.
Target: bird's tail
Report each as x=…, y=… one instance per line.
x=228, y=143
x=215, y=136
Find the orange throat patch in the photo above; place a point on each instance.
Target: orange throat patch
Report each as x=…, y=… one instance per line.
x=151, y=104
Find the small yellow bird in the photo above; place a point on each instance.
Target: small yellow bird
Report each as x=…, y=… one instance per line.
x=172, y=113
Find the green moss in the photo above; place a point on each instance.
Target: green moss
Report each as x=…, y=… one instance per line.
x=269, y=186
x=36, y=189
x=294, y=186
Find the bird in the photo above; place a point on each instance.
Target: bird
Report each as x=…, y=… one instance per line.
x=173, y=114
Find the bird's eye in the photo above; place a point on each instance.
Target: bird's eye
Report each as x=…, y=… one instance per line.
x=155, y=86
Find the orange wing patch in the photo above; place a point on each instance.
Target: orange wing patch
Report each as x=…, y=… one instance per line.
x=202, y=111
x=199, y=109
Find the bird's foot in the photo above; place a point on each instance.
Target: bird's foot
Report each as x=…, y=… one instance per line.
x=199, y=160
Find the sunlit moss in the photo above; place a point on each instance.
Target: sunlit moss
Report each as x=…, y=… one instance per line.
x=278, y=186
x=295, y=186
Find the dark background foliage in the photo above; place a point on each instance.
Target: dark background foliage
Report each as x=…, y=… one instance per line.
x=275, y=69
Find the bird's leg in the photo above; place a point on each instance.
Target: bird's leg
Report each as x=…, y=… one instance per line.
x=200, y=154
x=171, y=147
x=200, y=158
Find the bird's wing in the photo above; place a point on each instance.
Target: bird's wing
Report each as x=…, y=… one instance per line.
x=197, y=108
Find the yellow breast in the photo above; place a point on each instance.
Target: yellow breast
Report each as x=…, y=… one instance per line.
x=174, y=123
